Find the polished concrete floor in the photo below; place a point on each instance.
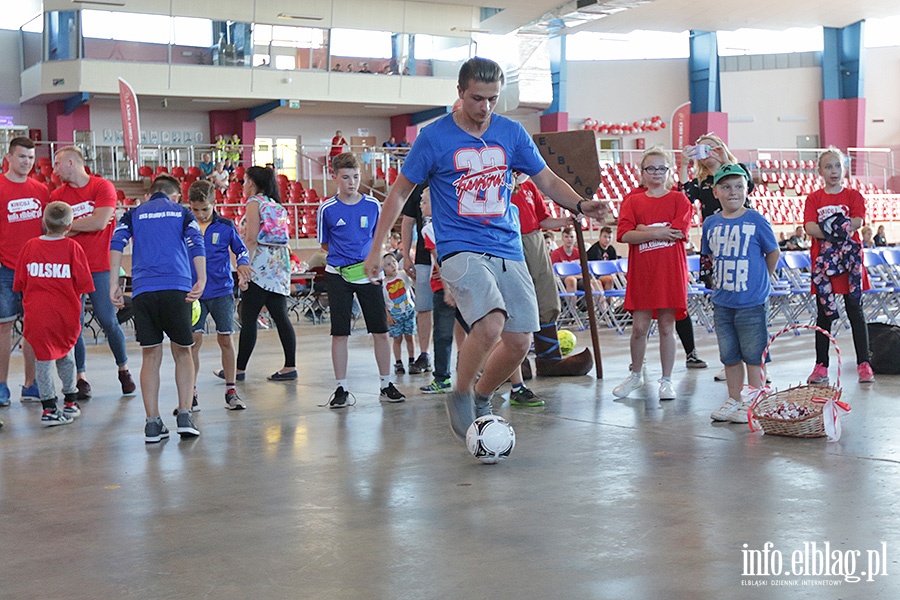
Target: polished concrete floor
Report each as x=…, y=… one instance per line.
x=631, y=499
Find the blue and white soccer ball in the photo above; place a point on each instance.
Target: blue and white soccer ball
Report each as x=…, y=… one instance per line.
x=490, y=439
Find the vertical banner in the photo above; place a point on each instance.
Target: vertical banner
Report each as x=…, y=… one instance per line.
x=681, y=129
x=131, y=123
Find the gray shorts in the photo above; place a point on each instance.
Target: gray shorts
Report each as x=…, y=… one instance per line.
x=422, y=289
x=482, y=283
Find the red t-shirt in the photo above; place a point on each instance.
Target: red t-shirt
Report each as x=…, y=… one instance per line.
x=657, y=270
x=428, y=235
x=52, y=274
x=819, y=205
x=532, y=209
x=21, y=210
x=559, y=255
x=97, y=193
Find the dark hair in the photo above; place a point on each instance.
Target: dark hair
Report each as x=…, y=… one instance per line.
x=481, y=70
x=166, y=184
x=568, y=229
x=202, y=191
x=265, y=182
x=606, y=229
x=347, y=160
x=22, y=142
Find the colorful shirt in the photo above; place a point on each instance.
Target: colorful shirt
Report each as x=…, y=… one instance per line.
x=471, y=184
x=52, y=274
x=97, y=193
x=820, y=205
x=398, y=295
x=21, y=210
x=738, y=248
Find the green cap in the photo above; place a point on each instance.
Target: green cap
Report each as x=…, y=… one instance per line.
x=727, y=171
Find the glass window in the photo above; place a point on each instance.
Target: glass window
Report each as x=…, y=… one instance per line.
x=33, y=41
x=358, y=43
x=882, y=32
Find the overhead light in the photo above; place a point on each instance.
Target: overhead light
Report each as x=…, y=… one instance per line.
x=300, y=17
x=100, y=2
x=379, y=106
x=464, y=30
x=210, y=101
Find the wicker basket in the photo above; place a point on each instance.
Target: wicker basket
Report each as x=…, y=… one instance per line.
x=810, y=399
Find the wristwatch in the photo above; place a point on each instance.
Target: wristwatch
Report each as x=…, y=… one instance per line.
x=578, y=208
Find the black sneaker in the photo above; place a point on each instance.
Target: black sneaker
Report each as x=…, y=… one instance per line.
x=524, y=397
x=392, y=394
x=421, y=365
x=399, y=369
x=186, y=427
x=128, y=386
x=694, y=362
x=340, y=398
x=195, y=406
x=84, y=389
x=155, y=431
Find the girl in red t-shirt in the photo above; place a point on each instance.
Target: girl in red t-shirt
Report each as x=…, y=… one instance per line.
x=654, y=223
x=821, y=205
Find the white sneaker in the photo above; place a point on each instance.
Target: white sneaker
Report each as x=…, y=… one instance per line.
x=720, y=376
x=740, y=415
x=666, y=389
x=631, y=383
x=724, y=412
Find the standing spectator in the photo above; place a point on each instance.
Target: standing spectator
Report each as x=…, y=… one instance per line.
x=221, y=144
x=52, y=274
x=166, y=241
x=22, y=202
x=206, y=165
x=468, y=157
x=654, y=223
x=338, y=143
x=745, y=253
x=93, y=200
x=346, y=223
x=266, y=237
x=833, y=216
x=418, y=268
x=709, y=155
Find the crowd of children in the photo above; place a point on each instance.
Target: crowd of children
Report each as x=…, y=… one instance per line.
x=183, y=254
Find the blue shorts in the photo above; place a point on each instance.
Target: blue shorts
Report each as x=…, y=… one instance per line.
x=422, y=288
x=10, y=301
x=742, y=333
x=404, y=324
x=222, y=311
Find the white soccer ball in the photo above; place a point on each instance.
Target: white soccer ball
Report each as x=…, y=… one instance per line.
x=490, y=439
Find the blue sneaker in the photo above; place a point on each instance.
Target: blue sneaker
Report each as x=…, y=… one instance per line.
x=4, y=394
x=31, y=393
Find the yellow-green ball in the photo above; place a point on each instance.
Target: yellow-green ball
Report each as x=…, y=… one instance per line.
x=566, y=341
x=195, y=312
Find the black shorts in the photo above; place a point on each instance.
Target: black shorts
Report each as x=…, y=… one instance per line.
x=161, y=312
x=340, y=301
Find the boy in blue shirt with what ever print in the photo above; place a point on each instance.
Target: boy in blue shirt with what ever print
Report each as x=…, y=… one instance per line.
x=221, y=239
x=744, y=252
x=346, y=224
x=167, y=240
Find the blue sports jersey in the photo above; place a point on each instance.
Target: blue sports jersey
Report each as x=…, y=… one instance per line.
x=738, y=247
x=348, y=229
x=471, y=184
x=220, y=236
x=166, y=240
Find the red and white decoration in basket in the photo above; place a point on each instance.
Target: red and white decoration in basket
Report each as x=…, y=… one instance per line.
x=654, y=123
x=832, y=407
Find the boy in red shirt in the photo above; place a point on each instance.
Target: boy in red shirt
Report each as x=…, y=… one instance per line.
x=52, y=274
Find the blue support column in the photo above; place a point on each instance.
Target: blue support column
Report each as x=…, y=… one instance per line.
x=843, y=63
x=703, y=68
x=73, y=102
x=256, y=112
x=559, y=73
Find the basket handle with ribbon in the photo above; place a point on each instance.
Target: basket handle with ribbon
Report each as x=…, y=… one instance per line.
x=831, y=407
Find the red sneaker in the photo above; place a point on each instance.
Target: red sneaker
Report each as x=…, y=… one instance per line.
x=865, y=373
x=819, y=374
